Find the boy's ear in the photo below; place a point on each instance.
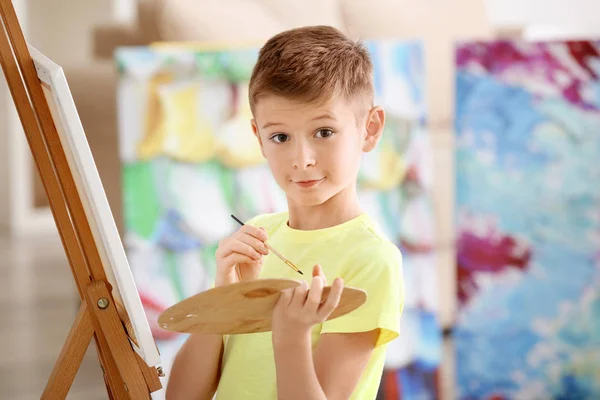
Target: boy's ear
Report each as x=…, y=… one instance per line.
x=374, y=128
x=255, y=131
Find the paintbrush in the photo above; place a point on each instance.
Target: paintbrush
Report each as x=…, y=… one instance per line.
x=285, y=260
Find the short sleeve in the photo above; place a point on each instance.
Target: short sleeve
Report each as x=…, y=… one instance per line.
x=376, y=269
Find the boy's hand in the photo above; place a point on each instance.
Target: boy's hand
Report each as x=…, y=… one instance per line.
x=240, y=256
x=299, y=309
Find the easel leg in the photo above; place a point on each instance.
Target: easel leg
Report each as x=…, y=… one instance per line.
x=115, y=386
x=122, y=371
x=71, y=355
x=114, y=383
x=111, y=336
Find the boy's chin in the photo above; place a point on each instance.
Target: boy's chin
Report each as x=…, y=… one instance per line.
x=309, y=199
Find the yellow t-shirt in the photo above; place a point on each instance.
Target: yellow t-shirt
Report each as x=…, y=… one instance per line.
x=358, y=252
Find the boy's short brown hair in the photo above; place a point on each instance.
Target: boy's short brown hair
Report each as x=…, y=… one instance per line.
x=310, y=64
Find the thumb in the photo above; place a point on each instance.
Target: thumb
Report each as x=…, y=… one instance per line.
x=318, y=271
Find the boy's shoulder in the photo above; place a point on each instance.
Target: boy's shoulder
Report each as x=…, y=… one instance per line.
x=367, y=244
x=372, y=237
x=377, y=252
x=373, y=263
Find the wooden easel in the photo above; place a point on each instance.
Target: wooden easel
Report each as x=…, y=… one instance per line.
x=126, y=375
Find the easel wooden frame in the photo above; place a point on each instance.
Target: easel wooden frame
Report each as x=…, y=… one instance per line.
x=126, y=375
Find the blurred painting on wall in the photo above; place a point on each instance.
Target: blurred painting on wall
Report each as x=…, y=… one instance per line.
x=190, y=159
x=528, y=220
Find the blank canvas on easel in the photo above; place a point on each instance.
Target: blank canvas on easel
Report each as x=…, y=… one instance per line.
x=96, y=205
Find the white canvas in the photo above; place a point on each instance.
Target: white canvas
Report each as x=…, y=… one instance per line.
x=95, y=203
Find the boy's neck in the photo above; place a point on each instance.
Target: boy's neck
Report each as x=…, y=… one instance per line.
x=341, y=208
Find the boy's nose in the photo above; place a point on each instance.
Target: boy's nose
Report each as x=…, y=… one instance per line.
x=304, y=164
x=304, y=157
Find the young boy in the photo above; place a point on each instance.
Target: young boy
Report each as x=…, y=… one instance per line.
x=311, y=95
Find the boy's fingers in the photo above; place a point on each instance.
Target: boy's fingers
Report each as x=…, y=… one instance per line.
x=253, y=242
x=237, y=258
x=333, y=299
x=259, y=233
x=237, y=246
x=318, y=271
x=315, y=293
x=299, y=295
x=286, y=297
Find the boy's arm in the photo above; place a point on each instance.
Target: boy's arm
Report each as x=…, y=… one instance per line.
x=332, y=373
x=299, y=374
x=196, y=368
x=340, y=360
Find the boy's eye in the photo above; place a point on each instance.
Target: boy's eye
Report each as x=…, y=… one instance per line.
x=279, y=138
x=324, y=133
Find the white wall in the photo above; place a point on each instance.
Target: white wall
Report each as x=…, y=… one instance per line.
x=10, y=142
x=61, y=28
x=547, y=19
x=548, y=12
x=4, y=154
x=124, y=10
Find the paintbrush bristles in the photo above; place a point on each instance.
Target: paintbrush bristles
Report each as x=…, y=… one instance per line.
x=282, y=258
x=293, y=267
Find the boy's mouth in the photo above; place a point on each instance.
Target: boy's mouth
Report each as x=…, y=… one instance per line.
x=309, y=183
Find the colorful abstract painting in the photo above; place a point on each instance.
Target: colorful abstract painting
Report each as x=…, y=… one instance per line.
x=189, y=160
x=528, y=220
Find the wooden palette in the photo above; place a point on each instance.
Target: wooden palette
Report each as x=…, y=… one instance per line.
x=244, y=307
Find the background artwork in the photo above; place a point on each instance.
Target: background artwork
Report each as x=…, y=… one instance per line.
x=190, y=160
x=528, y=201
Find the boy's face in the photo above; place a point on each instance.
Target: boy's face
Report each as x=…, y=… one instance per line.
x=314, y=150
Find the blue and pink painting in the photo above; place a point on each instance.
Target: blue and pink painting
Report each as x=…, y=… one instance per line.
x=528, y=220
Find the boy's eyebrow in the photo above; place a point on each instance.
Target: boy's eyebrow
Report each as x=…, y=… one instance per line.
x=324, y=116
x=268, y=124
x=317, y=118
